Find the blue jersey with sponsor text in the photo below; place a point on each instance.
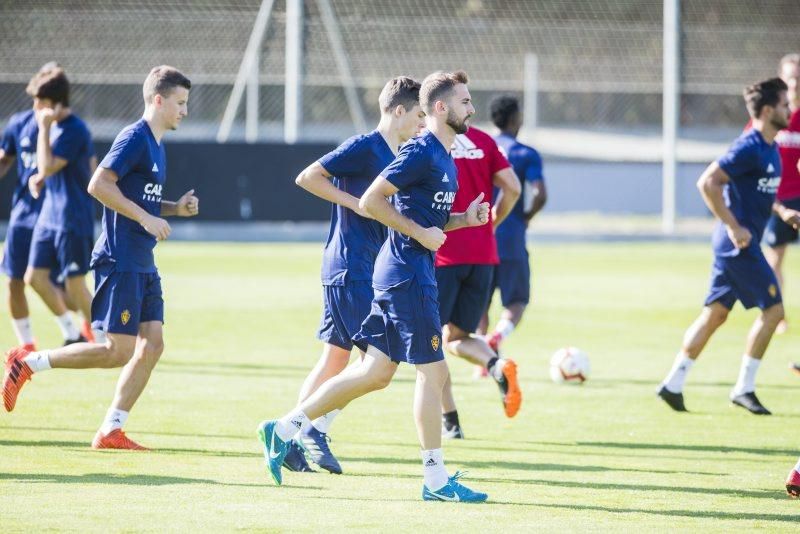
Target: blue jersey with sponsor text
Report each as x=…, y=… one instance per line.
x=354, y=241
x=140, y=163
x=527, y=164
x=67, y=205
x=426, y=178
x=754, y=168
x=19, y=140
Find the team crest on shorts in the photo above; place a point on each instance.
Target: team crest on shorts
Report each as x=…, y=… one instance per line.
x=772, y=290
x=435, y=342
x=125, y=316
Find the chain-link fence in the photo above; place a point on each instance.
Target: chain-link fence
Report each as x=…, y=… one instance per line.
x=599, y=61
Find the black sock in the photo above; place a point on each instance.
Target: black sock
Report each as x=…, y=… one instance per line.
x=491, y=363
x=450, y=419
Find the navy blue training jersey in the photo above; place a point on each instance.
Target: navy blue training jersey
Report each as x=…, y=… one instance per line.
x=19, y=140
x=426, y=177
x=141, y=165
x=527, y=165
x=67, y=205
x=354, y=241
x=754, y=168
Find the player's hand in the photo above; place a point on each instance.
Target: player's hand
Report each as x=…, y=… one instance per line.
x=46, y=116
x=740, y=236
x=477, y=212
x=157, y=227
x=791, y=217
x=431, y=238
x=35, y=185
x=188, y=205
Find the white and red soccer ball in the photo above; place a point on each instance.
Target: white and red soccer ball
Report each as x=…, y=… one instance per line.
x=569, y=365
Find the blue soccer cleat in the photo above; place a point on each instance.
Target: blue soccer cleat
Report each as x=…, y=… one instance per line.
x=316, y=445
x=296, y=459
x=275, y=449
x=453, y=492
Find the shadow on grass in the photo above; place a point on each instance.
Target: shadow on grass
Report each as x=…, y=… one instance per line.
x=165, y=450
x=128, y=480
x=761, y=451
x=676, y=513
x=654, y=383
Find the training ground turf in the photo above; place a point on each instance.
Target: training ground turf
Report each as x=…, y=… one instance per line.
x=240, y=338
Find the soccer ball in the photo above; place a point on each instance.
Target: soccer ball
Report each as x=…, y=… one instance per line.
x=569, y=365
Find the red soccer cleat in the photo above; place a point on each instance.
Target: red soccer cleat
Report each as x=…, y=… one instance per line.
x=86, y=331
x=16, y=374
x=793, y=484
x=116, y=439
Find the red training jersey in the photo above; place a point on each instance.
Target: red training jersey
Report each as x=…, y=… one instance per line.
x=477, y=159
x=789, y=144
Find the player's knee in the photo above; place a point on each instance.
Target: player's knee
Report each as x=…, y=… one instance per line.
x=381, y=378
x=16, y=286
x=118, y=354
x=33, y=278
x=774, y=314
x=716, y=316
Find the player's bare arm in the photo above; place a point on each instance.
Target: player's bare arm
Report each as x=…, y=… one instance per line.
x=510, y=190
x=477, y=214
x=317, y=180
x=6, y=161
x=711, y=185
x=375, y=203
x=186, y=206
x=787, y=215
x=537, y=192
x=103, y=187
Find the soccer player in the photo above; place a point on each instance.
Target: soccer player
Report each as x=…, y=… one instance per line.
x=739, y=189
x=793, y=482
x=513, y=274
x=19, y=143
x=127, y=305
x=465, y=266
x=354, y=239
x=404, y=324
x=779, y=234
x=63, y=234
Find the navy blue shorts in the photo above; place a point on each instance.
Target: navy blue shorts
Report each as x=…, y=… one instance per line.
x=404, y=324
x=16, y=250
x=747, y=278
x=344, y=308
x=777, y=232
x=513, y=278
x=123, y=300
x=67, y=253
x=464, y=292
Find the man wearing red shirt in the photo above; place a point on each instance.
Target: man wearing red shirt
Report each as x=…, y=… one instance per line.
x=465, y=269
x=779, y=233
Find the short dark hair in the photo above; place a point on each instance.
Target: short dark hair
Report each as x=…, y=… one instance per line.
x=47, y=67
x=400, y=91
x=52, y=85
x=765, y=93
x=502, y=109
x=162, y=80
x=438, y=84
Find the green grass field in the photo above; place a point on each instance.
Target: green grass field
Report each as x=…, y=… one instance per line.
x=240, y=337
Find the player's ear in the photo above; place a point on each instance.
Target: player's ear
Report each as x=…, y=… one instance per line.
x=157, y=100
x=399, y=110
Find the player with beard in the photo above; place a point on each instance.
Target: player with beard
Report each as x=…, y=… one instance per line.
x=404, y=324
x=739, y=189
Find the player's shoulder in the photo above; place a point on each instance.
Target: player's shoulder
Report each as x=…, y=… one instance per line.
x=361, y=141
x=76, y=124
x=20, y=118
x=135, y=132
x=748, y=140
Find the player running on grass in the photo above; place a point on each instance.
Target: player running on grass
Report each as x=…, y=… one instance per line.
x=465, y=266
x=739, y=189
x=404, y=325
x=354, y=240
x=127, y=305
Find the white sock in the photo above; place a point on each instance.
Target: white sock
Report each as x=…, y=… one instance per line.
x=497, y=370
x=747, y=376
x=289, y=425
x=114, y=419
x=38, y=361
x=433, y=469
x=99, y=336
x=504, y=328
x=677, y=375
x=797, y=467
x=67, y=326
x=323, y=422
x=23, y=330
